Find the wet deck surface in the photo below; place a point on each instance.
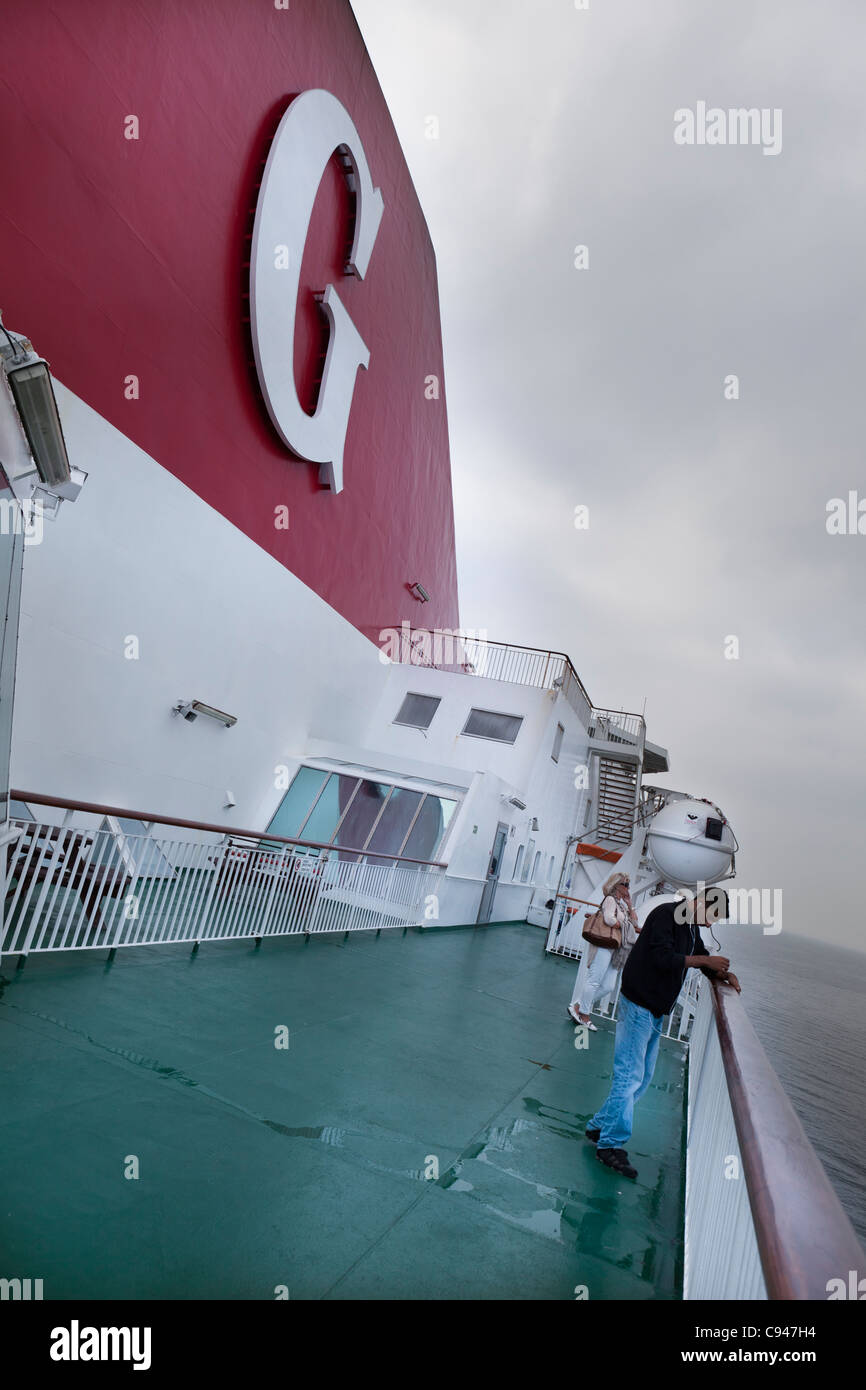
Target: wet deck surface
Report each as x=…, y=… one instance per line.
x=306, y=1167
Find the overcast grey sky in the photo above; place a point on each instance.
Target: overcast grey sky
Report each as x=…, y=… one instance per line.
x=604, y=387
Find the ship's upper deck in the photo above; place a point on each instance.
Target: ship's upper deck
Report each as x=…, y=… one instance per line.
x=313, y=1166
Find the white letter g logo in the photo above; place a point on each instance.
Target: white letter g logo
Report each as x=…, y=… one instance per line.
x=313, y=127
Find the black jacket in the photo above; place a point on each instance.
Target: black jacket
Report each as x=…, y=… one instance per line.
x=656, y=966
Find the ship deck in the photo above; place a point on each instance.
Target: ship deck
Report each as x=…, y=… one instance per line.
x=309, y=1167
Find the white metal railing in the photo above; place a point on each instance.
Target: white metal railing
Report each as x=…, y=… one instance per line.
x=68, y=888
x=617, y=726
x=721, y=1250
x=498, y=661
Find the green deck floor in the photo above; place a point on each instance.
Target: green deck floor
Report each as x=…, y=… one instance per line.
x=305, y=1167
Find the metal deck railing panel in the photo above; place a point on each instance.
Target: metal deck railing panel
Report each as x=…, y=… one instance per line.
x=70, y=888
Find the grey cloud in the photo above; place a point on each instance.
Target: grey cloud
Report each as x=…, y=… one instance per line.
x=604, y=386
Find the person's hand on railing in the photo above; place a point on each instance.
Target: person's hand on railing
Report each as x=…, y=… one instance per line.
x=729, y=978
x=720, y=967
x=718, y=964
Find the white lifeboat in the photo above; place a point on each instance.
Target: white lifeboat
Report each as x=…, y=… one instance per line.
x=691, y=842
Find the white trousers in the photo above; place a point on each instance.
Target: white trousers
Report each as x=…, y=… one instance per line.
x=600, y=980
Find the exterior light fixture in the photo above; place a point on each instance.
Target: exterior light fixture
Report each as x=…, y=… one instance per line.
x=419, y=591
x=191, y=709
x=47, y=500
x=32, y=391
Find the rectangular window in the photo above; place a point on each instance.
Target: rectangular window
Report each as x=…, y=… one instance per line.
x=551, y=871
x=517, y=863
x=485, y=723
x=527, y=861
x=535, y=866
x=417, y=711
x=557, y=743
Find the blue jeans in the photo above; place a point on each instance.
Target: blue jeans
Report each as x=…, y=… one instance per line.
x=634, y=1061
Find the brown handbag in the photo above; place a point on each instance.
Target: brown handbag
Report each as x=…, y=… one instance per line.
x=597, y=932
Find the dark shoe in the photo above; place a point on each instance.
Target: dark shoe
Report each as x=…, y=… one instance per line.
x=593, y=1135
x=617, y=1159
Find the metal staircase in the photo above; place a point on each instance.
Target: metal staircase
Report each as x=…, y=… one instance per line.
x=617, y=798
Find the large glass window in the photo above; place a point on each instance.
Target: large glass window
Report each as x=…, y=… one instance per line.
x=330, y=808
x=358, y=813
x=396, y=821
x=297, y=802
x=428, y=832
x=361, y=814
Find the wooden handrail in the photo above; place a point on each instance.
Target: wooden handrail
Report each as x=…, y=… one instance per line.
x=65, y=804
x=804, y=1237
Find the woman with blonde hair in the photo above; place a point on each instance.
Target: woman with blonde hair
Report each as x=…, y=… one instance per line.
x=604, y=964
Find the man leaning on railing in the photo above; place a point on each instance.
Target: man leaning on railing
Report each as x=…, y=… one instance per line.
x=669, y=945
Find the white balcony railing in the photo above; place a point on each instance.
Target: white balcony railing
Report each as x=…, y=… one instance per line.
x=618, y=726
x=69, y=888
